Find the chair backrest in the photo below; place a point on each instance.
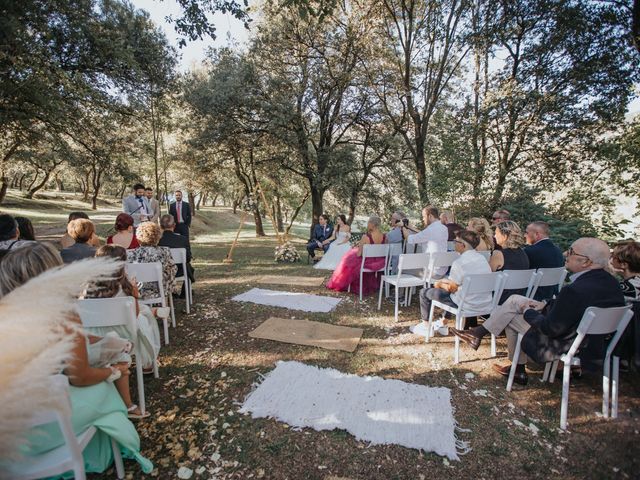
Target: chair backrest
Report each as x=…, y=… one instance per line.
x=443, y=259
x=147, y=273
x=479, y=283
x=179, y=256
x=602, y=321
x=109, y=312
x=376, y=251
x=485, y=253
x=395, y=250
x=521, y=279
x=549, y=277
x=414, y=261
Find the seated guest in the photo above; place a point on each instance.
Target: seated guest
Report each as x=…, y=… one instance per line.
x=449, y=220
x=348, y=271
x=149, y=235
x=511, y=255
x=10, y=233
x=483, y=229
x=148, y=343
x=498, y=216
x=550, y=328
x=625, y=260
x=80, y=230
x=542, y=253
x=67, y=241
x=321, y=232
x=25, y=227
x=433, y=238
x=171, y=239
x=124, y=236
x=96, y=366
x=395, y=234
x=446, y=290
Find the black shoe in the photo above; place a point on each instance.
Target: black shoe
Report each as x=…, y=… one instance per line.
x=521, y=378
x=466, y=337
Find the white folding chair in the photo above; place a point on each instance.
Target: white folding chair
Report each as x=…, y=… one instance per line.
x=487, y=283
x=407, y=261
x=550, y=277
x=152, y=273
x=595, y=321
x=179, y=256
x=67, y=457
x=485, y=253
x=373, y=251
x=439, y=260
x=521, y=280
x=113, y=312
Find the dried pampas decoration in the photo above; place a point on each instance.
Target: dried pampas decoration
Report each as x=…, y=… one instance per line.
x=35, y=341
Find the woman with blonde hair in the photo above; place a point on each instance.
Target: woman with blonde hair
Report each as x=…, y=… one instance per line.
x=483, y=229
x=511, y=256
x=81, y=231
x=149, y=235
x=37, y=270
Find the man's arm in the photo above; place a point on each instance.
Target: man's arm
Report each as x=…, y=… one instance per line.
x=420, y=237
x=564, y=314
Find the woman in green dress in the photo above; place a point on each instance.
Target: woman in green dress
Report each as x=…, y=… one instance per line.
x=96, y=393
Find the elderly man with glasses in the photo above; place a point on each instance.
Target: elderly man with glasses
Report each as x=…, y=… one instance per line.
x=550, y=328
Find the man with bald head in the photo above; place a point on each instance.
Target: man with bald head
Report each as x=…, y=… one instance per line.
x=550, y=328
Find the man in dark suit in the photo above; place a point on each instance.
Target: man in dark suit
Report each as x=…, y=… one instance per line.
x=542, y=253
x=321, y=234
x=181, y=213
x=171, y=239
x=550, y=328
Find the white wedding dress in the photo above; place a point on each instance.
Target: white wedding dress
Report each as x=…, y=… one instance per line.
x=337, y=250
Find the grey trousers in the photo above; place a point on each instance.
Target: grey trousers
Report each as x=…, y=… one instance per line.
x=508, y=317
x=429, y=294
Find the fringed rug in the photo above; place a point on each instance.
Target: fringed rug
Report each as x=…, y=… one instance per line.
x=306, y=332
x=372, y=409
x=290, y=300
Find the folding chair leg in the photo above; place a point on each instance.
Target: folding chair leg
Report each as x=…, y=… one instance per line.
x=165, y=327
x=606, y=382
x=117, y=459
x=494, y=350
x=361, y=275
x=140, y=380
x=431, y=310
x=382, y=286
x=554, y=369
x=547, y=371
x=614, y=387
x=564, y=407
x=514, y=362
x=456, y=352
x=156, y=374
x=186, y=295
x=396, y=305
x=173, y=311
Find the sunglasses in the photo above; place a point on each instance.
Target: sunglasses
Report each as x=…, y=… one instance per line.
x=571, y=252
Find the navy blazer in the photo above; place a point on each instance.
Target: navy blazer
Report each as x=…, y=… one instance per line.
x=321, y=233
x=185, y=214
x=545, y=254
x=553, y=331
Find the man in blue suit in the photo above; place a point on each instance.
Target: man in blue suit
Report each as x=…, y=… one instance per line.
x=542, y=253
x=321, y=233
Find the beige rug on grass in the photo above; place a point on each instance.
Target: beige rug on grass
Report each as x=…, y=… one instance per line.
x=296, y=281
x=306, y=332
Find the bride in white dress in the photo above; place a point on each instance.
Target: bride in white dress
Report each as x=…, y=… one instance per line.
x=339, y=245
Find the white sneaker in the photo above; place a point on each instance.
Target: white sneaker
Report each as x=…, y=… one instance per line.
x=163, y=312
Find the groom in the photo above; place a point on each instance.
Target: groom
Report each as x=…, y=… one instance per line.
x=321, y=232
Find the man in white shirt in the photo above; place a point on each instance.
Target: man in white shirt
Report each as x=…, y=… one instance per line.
x=447, y=290
x=433, y=238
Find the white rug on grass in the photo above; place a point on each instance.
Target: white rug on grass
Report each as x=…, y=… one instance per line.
x=372, y=409
x=291, y=300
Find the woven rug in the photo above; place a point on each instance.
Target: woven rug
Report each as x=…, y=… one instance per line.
x=372, y=409
x=305, y=332
x=295, y=281
x=290, y=300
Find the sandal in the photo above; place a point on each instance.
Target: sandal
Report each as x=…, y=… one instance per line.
x=136, y=416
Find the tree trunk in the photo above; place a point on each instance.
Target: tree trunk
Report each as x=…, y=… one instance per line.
x=21, y=181
x=32, y=183
x=96, y=181
x=4, y=186
x=215, y=199
x=199, y=201
x=34, y=188
x=192, y=202
x=317, y=195
x=353, y=203
x=297, y=211
x=278, y=207
x=59, y=184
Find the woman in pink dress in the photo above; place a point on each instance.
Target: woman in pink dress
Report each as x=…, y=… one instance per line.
x=348, y=270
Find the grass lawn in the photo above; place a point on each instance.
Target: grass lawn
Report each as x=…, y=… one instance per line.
x=211, y=365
